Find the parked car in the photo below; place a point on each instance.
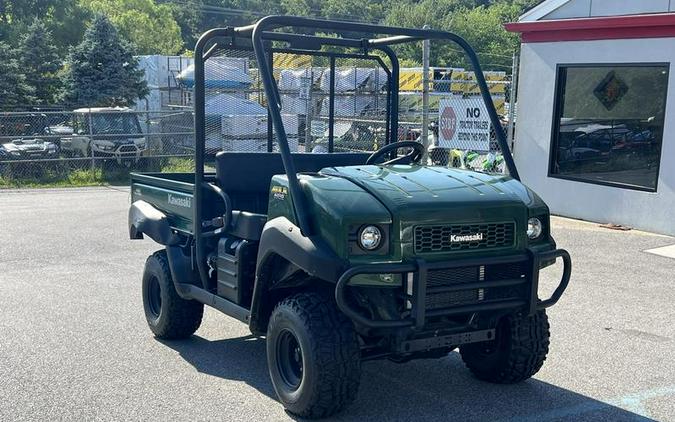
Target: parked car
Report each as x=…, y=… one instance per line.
x=105, y=132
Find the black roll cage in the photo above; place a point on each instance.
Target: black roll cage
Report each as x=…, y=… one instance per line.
x=261, y=35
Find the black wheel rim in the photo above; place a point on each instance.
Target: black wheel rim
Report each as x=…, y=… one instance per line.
x=154, y=297
x=289, y=359
x=491, y=348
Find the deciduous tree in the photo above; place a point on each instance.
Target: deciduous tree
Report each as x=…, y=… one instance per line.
x=149, y=26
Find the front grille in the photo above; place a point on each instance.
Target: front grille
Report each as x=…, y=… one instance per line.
x=128, y=149
x=437, y=278
x=465, y=275
x=442, y=238
x=445, y=300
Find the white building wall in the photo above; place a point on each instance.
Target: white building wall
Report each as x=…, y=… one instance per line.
x=643, y=210
x=628, y=7
x=572, y=9
x=566, y=9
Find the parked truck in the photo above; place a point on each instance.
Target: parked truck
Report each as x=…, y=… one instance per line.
x=106, y=132
x=337, y=258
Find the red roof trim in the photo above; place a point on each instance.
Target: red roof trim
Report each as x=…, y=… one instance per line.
x=602, y=28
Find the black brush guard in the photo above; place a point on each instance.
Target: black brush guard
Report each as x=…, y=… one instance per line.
x=420, y=268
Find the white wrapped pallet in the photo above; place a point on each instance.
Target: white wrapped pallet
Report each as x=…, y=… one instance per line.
x=226, y=104
x=354, y=79
x=244, y=125
x=160, y=70
x=292, y=103
x=294, y=79
x=351, y=106
x=255, y=126
x=291, y=124
x=220, y=72
x=257, y=145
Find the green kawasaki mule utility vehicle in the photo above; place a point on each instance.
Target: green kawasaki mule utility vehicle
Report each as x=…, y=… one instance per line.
x=339, y=257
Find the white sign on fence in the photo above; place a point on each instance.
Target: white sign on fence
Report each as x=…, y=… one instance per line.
x=305, y=87
x=463, y=123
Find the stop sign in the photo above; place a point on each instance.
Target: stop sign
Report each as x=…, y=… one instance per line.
x=448, y=123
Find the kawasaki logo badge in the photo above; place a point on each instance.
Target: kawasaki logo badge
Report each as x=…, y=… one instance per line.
x=179, y=201
x=466, y=237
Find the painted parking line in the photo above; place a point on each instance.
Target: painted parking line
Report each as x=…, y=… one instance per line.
x=666, y=251
x=635, y=403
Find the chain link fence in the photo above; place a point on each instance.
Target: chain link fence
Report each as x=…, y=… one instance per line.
x=236, y=117
x=459, y=132
x=104, y=144
x=91, y=144
x=443, y=108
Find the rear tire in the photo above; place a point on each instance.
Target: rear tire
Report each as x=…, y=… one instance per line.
x=169, y=316
x=517, y=353
x=313, y=356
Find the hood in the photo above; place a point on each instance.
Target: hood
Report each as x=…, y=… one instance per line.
x=27, y=145
x=61, y=130
x=442, y=194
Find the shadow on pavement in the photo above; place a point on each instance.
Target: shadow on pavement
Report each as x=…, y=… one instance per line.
x=434, y=390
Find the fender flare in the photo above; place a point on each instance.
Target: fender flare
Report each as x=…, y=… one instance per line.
x=283, y=239
x=146, y=219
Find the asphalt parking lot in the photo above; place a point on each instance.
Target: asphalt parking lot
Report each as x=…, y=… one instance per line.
x=74, y=343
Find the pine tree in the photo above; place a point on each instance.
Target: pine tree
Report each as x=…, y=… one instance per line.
x=15, y=93
x=102, y=70
x=40, y=63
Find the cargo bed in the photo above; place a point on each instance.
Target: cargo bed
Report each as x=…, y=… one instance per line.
x=172, y=193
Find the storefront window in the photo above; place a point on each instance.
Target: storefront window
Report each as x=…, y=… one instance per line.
x=608, y=125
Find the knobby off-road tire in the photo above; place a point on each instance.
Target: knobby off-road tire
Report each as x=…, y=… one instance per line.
x=168, y=315
x=518, y=351
x=313, y=356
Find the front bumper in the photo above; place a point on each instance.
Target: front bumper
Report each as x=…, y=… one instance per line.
x=30, y=155
x=418, y=289
x=122, y=153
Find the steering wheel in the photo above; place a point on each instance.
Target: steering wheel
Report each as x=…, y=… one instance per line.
x=413, y=156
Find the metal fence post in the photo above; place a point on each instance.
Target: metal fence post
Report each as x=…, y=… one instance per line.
x=425, y=94
x=151, y=146
x=512, y=100
x=91, y=140
x=306, y=91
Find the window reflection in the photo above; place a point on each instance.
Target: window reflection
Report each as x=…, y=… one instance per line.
x=609, y=124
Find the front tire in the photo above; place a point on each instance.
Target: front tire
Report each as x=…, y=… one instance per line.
x=169, y=316
x=313, y=356
x=517, y=353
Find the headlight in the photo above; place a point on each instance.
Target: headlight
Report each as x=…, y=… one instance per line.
x=534, y=228
x=370, y=238
x=105, y=147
